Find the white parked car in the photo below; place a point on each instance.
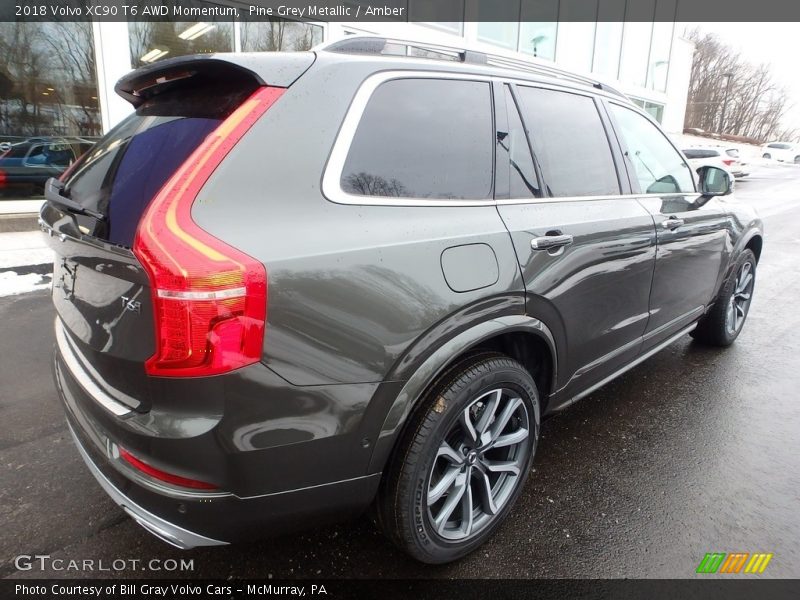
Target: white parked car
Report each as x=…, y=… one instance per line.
x=781, y=151
x=717, y=156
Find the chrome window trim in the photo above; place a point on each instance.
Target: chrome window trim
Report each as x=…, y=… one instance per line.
x=593, y=198
x=331, y=178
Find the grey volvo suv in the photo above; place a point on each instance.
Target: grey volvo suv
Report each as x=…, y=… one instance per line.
x=294, y=286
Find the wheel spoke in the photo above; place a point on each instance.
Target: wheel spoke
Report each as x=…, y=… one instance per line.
x=485, y=493
x=503, y=418
x=445, y=483
x=501, y=466
x=743, y=296
x=730, y=316
x=466, y=509
x=511, y=439
x=451, y=503
x=743, y=282
x=446, y=452
x=466, y=424
x=489, y=410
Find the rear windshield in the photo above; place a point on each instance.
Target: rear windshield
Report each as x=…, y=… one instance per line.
x=123, y=172
x=732, y=152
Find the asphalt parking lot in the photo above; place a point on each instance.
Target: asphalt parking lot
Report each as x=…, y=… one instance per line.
x=697, y=450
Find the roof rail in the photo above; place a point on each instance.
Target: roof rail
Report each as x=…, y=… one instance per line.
x=376, y=45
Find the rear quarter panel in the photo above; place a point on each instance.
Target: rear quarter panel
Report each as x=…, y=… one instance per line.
x=351, y=287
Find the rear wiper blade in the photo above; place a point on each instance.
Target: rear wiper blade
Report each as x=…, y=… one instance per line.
x=52, y=193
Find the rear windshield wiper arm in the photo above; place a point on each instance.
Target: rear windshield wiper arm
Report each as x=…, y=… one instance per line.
x=52, y=193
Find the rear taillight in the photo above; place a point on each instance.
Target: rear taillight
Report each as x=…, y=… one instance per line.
x=209, y=299
x=2, y=179
x=728, y=161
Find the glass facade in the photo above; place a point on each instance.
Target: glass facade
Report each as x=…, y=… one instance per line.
x=501, y=33
x=151, y=41
x=49, y=111
x=616, y=39
x=48, y=80
x=429, y=13
x=608, y=37
x=279, y=35
x=539, y=28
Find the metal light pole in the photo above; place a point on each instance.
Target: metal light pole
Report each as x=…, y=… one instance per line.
x=729, y=77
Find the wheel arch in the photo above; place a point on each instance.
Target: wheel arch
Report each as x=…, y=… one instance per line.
x=755, y=243
x=524, y=338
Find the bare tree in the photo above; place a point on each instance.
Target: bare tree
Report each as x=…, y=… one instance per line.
x=755, y=105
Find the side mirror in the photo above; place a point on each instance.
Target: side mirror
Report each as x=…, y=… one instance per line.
x=714, y=181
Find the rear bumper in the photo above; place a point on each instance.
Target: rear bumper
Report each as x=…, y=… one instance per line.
x=159, y=527
x=262, y=491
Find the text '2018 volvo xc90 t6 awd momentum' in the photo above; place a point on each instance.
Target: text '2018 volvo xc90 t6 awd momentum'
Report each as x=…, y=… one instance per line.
x=294, y=286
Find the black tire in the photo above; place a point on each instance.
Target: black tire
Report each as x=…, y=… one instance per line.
x=766, y=155
x=797, y=159
x=716, y=328
x=477, y=383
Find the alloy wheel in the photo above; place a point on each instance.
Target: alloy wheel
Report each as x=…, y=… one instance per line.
x=478, y=464
x=740, y=299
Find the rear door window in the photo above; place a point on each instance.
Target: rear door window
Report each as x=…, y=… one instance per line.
x=570, y=143
x=423, y=138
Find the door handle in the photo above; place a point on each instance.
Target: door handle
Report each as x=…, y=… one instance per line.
x=672, y=223
x=548, y=242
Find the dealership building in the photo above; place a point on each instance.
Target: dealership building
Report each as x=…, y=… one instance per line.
x=57, y=79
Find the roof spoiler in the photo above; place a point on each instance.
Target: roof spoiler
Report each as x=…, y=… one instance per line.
x=279, y=69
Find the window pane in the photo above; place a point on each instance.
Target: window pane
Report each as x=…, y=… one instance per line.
x=659, y=167
x=49, y=112
x=522, y=175
x=151, y=41
x=658, y=67
x=608, y=39
x=423, y=138
x=500, y=33
x=503, y=33
x=279, y=35
x=636, y=41
x=570, y=143
x=575, y=44
x=656, y=110
x=538, y=28
x=429, y=13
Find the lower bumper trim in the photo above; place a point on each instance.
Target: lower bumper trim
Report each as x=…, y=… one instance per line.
x=159, y=527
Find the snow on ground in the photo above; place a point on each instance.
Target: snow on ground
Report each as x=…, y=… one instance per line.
x=26, y=263
x=12, y=284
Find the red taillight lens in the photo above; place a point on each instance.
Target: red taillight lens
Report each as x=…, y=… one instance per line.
x=142, y=466
x=2, y=179
x=209, y=299
x=728, y=161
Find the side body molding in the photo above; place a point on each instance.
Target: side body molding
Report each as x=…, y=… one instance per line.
x=437, y=362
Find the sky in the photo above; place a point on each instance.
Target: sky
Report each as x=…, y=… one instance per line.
x=771, y=43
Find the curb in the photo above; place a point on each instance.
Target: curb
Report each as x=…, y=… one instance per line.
x=19, y=222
